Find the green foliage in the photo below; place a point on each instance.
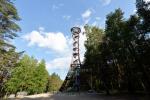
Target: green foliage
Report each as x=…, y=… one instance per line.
x=54, y=82
x=119, y=58
x=92, y=59
x=41, y=77
x=8, y=29
x=94, y=38
x=8, y=26
x=29, y=76
x=8, y=17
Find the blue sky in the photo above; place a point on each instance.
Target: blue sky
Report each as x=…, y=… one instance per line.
x=46, y=27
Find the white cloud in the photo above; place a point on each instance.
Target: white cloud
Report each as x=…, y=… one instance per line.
x=86, y=14
x=105, y=2
x=53, y=40
x=82, y=47
x=66, y=17
x=147, y=0
x=59, y=63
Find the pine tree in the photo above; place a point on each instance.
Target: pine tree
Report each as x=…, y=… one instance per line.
x=8, y=29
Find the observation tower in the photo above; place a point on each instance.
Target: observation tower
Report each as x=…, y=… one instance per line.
x=72, y=80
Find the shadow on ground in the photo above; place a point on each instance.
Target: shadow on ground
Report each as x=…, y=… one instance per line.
x=87, y=97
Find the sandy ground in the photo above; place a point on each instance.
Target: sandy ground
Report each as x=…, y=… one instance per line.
x=77, y=96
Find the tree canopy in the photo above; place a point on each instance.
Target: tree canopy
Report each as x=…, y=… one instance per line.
x=119, y=54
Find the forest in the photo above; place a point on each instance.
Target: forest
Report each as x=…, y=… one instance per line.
x=117, y=58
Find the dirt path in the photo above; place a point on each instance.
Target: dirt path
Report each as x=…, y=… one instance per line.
x=82, y=96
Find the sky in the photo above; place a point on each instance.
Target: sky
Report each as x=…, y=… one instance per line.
x=46, y=27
